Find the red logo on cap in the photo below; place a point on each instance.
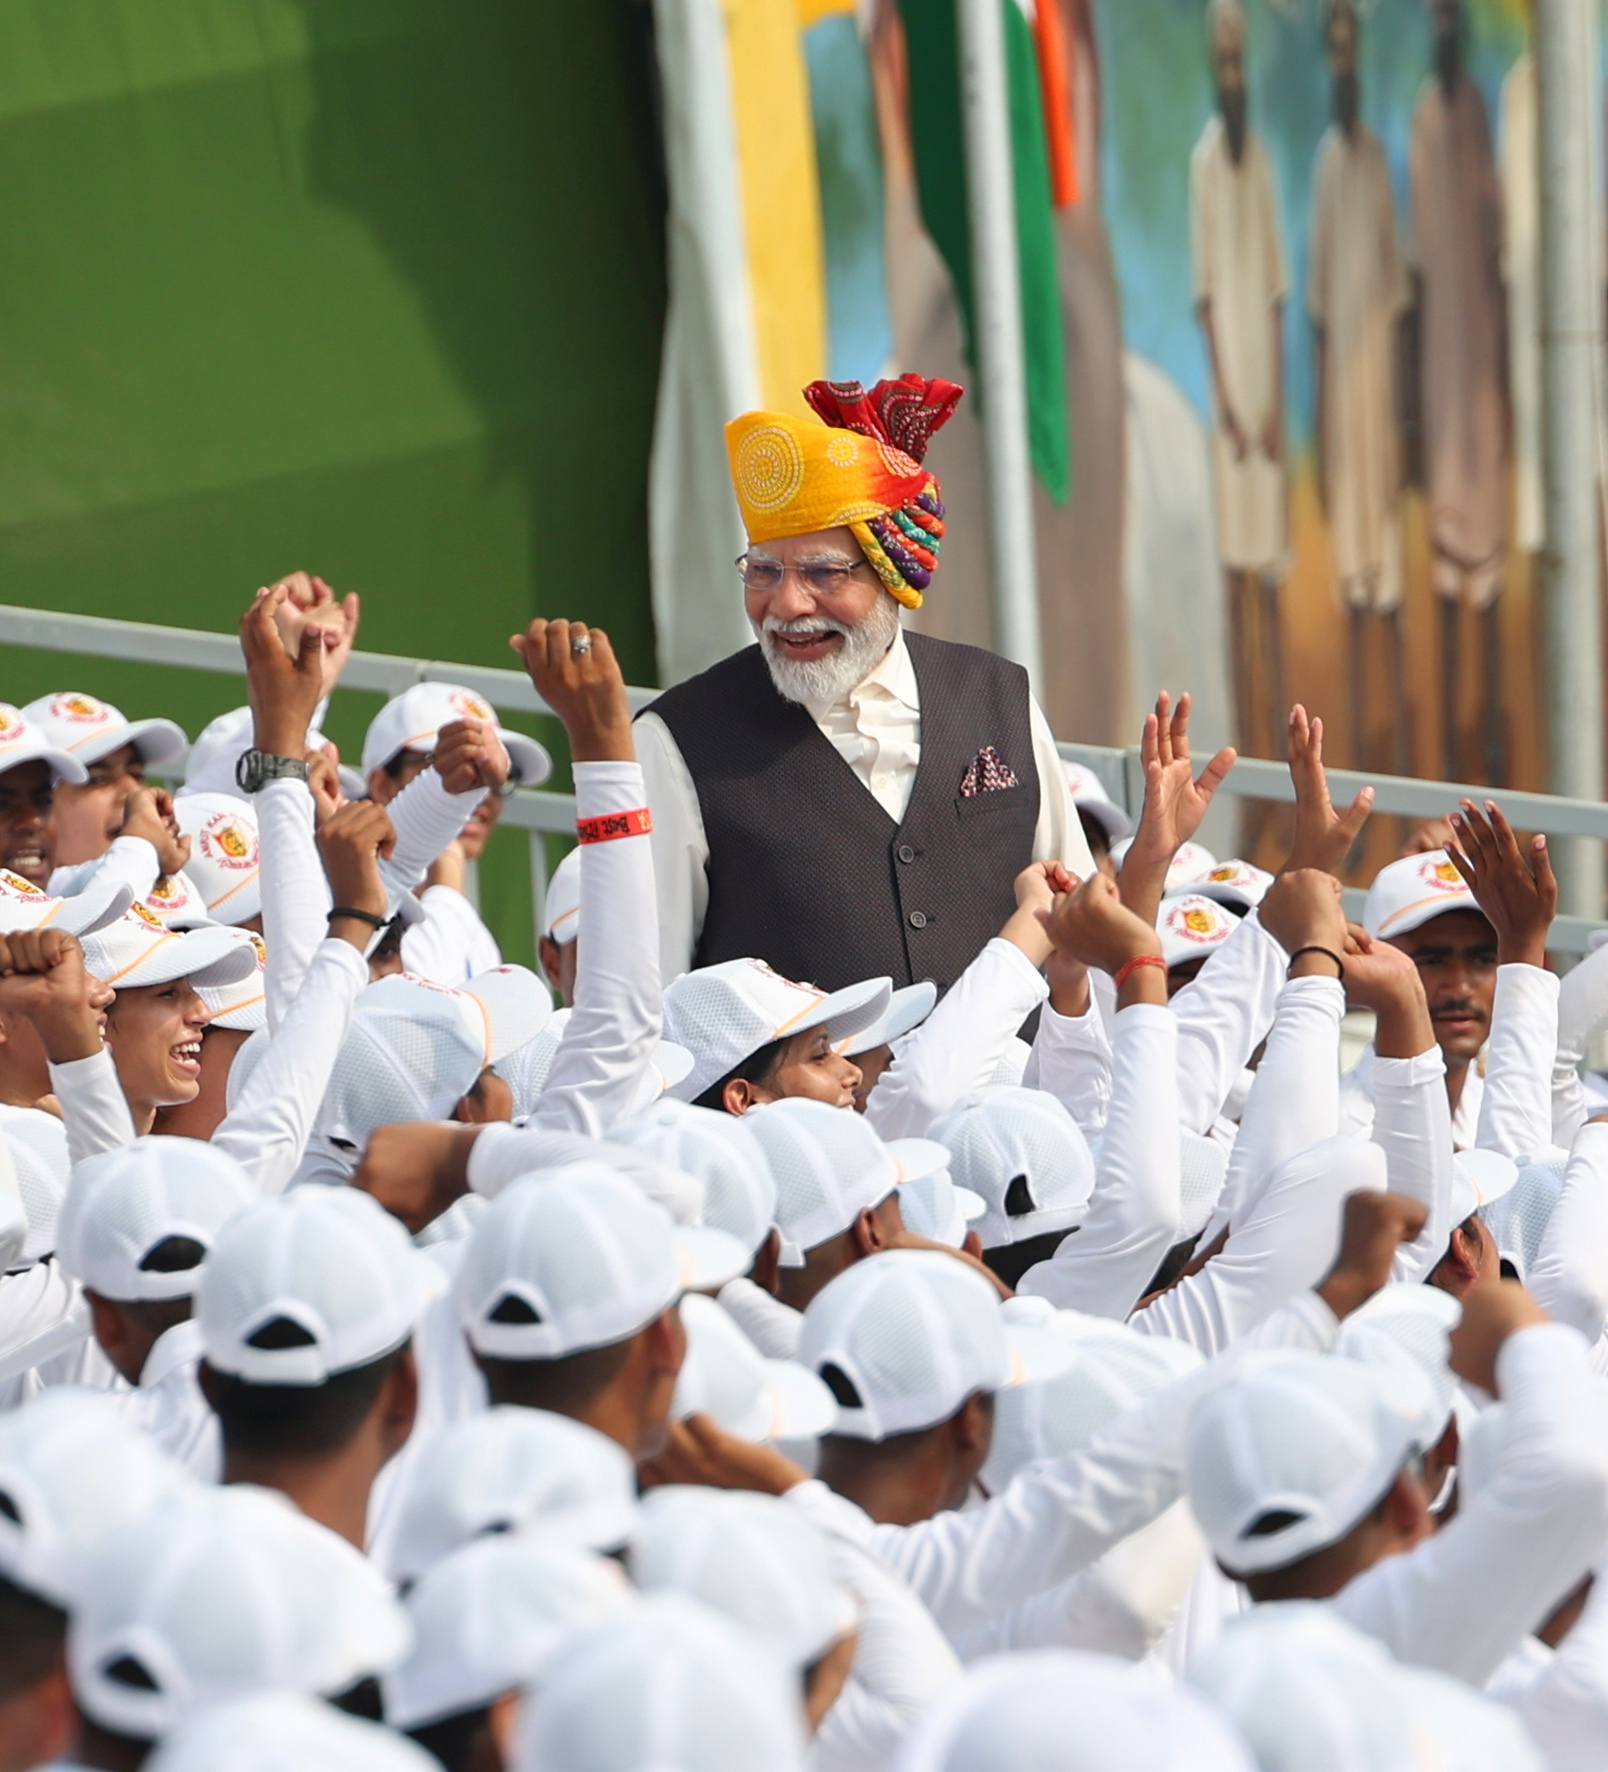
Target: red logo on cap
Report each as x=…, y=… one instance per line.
x=83, y=709
x=1194, y=922
x=146, y=915
x=15, y=883
x=1441, y=874
x=226, y=843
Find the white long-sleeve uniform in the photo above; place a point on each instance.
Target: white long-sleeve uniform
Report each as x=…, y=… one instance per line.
x=1569, y=1276
x=1412, y=1125
x=130, y=861
x=451, y=945
x=1562, y=1695
x=1582, y=1015
x=1516, y=1103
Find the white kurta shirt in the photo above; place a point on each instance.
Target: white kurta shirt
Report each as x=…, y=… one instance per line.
x=876, y=729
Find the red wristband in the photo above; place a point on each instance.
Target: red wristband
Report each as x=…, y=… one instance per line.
x=1129, y=967
x=609, y=825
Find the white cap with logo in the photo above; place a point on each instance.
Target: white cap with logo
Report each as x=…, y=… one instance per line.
x=89, y=729
x=242, y=1007
x=1190, y=926
x=1025, y=1156
x=830, y=1166
x=1191, y=862
x=1239, y=884
x=666, y=1684
x=723, y=1014
x=139, y=949
x=24, y=907
x=759, y=1562
x=21, y=741
x=285, y=1732
x=488, y=1618
x=1289, y=1456
x=122, y=1206
x=314, y=1283
x=225, y=854
x=215, y=1593
x=513, y=1470
x=72, y=1473
x=722, y=1151
x=1089, y=795
x=725, y=1377
x=413, y=721
x=558, y=1266
x=903, y=1338
x=1405, y=894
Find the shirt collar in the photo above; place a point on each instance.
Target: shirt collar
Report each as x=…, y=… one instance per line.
x=172, y=1349
x=893, y=679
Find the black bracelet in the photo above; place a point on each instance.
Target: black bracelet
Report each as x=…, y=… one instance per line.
x=345, y=910
x=1314, y=947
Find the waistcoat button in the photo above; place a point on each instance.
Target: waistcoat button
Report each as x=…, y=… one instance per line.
x=906, y=853
x=918, y=919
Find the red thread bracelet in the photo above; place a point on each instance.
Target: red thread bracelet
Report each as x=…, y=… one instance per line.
x=609, y=825
x=1129, y=967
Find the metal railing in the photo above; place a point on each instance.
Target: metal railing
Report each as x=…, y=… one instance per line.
x=541, y=813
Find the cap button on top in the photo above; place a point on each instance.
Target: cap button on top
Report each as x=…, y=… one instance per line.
x=906, y=853
x=918, y=919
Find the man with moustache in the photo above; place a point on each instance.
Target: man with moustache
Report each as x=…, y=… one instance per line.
x=845, y=800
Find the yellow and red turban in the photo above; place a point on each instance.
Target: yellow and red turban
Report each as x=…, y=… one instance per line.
x=860, y=468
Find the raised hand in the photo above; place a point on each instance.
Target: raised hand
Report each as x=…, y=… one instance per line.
x=1492, y=1311
x=417, y=1170
x=1176, y=800
x=1372, y=1228
x=1304, y=909
x=1384, y=979
x=148, y=813
x=698, y=1450
x=283, y=690
x=1095, y=927
x=324, y=783
x=1323, y=837
x=310, y=604
x=576, y=674
x=469, y=755
x=351, y=843
x=1515, y=888
x=42, y=976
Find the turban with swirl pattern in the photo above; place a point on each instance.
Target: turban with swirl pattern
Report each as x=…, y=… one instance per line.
x=860, y=468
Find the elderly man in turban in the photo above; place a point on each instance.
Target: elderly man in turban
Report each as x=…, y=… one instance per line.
x=845, y=800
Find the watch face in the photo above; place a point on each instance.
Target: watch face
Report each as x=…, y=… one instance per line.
x=248, y=770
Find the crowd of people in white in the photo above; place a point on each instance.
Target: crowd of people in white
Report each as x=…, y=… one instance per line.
x=1078, y=1370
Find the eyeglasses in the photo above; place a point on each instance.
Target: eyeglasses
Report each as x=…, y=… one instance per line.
x=822, y=578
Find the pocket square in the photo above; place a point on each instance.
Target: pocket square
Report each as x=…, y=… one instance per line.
x=985, y=773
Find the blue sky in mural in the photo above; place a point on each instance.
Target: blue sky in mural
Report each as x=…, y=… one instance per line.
x=1157, y=96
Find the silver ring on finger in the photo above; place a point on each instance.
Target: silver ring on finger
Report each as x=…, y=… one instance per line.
x=581, y=643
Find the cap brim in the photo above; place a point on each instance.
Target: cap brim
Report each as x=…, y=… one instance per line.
x=793, y=1405
x=1480, y=1179
x=1108, y=815
x=100, y=903
x=1036, y=1353
x=155, y=741
x=908, y=1008
x=1421, y=911
x=63, y=765
x=846, y=1012
x=709, y=1257
x=1227, y=892
x=210, y=957
x=517, y=1007
x=528, y=761
x=917, y=1158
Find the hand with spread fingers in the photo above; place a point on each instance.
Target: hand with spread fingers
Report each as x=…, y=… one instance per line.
x=1176, y=800
x=1514, y=887
x=576, y=674
x=1323, y=837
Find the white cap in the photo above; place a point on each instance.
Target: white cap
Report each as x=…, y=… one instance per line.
x=139, y=949
x=23, y=742
x=487, y=1618
x=213, y=1594
x=555, y=1267
x=72, y=1472
x=829, y=1167
x=525, y=1069
x=413, y=721
x=753, y=1558
x=934, y=1207
x=1310, y=1693
x=1191, y=863
x=1479, y=1179
x=1024, y=1155
x=1089, y=795
x=23, y=906
x=668, y=1686
x=1072, y=1711
x=722, y=1151
x=1236, y=883
x=179, y=902
x=1409, y=1325
x=1110, y=1368
x=1191, y=926
x=328, y=1261
x=1309, y=1436
x=35, y=1145
x=88, y=728
x=907, y=1009
x=243, y=1006
x=512, y=1470
x=123, y=1205
x=1405, y=894
x=561, y=907
x=1519, y=1219
x=903, y=1338
x=225, y=854
x=726, y=1377
x=723, y=1014
x=500, y=1009
x=285, y=1732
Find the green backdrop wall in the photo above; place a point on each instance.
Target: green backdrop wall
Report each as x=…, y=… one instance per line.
x=373, y=287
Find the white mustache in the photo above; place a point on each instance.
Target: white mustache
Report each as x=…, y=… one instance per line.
x=803, y=624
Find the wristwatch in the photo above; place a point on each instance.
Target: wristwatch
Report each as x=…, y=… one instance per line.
x=256, y=767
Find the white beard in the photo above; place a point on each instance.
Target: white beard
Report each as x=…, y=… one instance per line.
x=830, y=678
